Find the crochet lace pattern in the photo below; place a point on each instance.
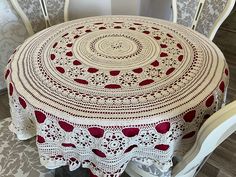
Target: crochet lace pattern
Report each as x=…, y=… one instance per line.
x=102, y=91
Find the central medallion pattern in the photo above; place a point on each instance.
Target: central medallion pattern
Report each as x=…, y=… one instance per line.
x=116, y=48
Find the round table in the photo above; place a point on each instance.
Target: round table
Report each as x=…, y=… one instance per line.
x=102, y=91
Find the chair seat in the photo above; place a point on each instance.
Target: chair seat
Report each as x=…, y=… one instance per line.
x=19, y=158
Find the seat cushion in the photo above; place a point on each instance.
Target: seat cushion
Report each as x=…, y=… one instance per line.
x=19, y=158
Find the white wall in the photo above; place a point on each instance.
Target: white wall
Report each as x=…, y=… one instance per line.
x=152, y=8
x=156, y=8
x=124, y=7
x=86, y=8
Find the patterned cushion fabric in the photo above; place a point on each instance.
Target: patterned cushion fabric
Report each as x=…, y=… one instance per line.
x=40, y=14
x=186, y=11
x=19, y=158
x=211, y=12
x=151, y=170
x=204, y=16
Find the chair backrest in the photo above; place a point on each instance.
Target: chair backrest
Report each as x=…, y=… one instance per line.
x=40, y=14
x=12, y=34
x=212, y=133
x=204, y=16
x=185, y=11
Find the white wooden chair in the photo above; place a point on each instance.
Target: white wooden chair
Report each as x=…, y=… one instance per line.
x=212, y=133
x=204, y=16
x=40, y=14
x=12, y=34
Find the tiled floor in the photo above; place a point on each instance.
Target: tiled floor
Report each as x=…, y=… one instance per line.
x=222, y=163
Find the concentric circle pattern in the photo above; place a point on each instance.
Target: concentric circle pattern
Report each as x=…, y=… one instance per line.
x=116, y=67
x=116, y=49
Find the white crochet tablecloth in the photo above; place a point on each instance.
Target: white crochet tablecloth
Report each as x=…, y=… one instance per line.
x=102, y=91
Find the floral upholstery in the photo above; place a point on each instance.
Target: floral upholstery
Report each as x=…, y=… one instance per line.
x=211, y=11
x=12, y=34
x=55, y=10
x=33, y=12
x=39, y=14
x=212, y=14
x=150, y=169
x=186, y=10
x=19, y=158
